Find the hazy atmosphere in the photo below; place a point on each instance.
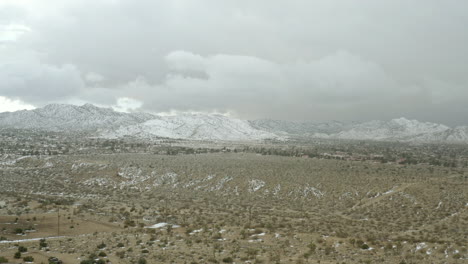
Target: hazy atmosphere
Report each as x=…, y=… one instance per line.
x=233, y=131
x=292, y=60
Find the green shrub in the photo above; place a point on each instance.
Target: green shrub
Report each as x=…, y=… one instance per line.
x=228, y=260
x=28, y=259
x=22, y=249
x=42, y=243
x=101, y=246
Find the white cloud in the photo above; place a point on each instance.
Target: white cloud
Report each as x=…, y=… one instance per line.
x=183, y=60
x=126, y=104
x=11, y=32
x=10, y=105
x=24, y=75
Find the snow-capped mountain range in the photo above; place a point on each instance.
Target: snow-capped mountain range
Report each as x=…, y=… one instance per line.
x=62, y=117
x=107, y=123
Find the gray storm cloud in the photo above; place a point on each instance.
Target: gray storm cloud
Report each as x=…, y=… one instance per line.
x=300, y=60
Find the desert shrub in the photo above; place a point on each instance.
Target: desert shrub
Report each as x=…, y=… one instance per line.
x=42, y=243
x=312, y=246
x=101, y=246
x=228, y=260
x=22, y=249
x=28, y=259
x=120, y=254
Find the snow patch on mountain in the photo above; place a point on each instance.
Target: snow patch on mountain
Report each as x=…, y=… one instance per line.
x=452, y=135
x=195, y=127
x=62, y=117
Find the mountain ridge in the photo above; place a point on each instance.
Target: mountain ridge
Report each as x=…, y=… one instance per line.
x=108, y=123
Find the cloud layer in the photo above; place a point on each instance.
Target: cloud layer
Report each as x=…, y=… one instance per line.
x=306, y=60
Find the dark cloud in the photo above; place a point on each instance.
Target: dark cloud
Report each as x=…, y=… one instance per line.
x=307, y=60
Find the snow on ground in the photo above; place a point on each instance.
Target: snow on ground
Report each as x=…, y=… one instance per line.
x=77, y=166
x=221, y=183
x=161, y=225
x=388, y=192
x=312, y=190
x=255, y=185
x=11, y=159
x=196, y=231
x=277, y=189
x=169, y=178
x=29, y=239
x=420, y=246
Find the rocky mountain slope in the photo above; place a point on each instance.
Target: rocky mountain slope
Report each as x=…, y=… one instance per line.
x=107, y=123
x=62, y=117
x=194, y=127
x=395, y=129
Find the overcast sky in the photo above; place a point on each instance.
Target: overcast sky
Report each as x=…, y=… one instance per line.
x=298, y=60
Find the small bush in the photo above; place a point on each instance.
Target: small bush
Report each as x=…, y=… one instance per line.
x=42, y=243
x=22, y=249
x=101, y=246
x=28, y=259
x=228, y=260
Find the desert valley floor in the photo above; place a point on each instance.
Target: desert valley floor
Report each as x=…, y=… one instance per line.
x=230, y=207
